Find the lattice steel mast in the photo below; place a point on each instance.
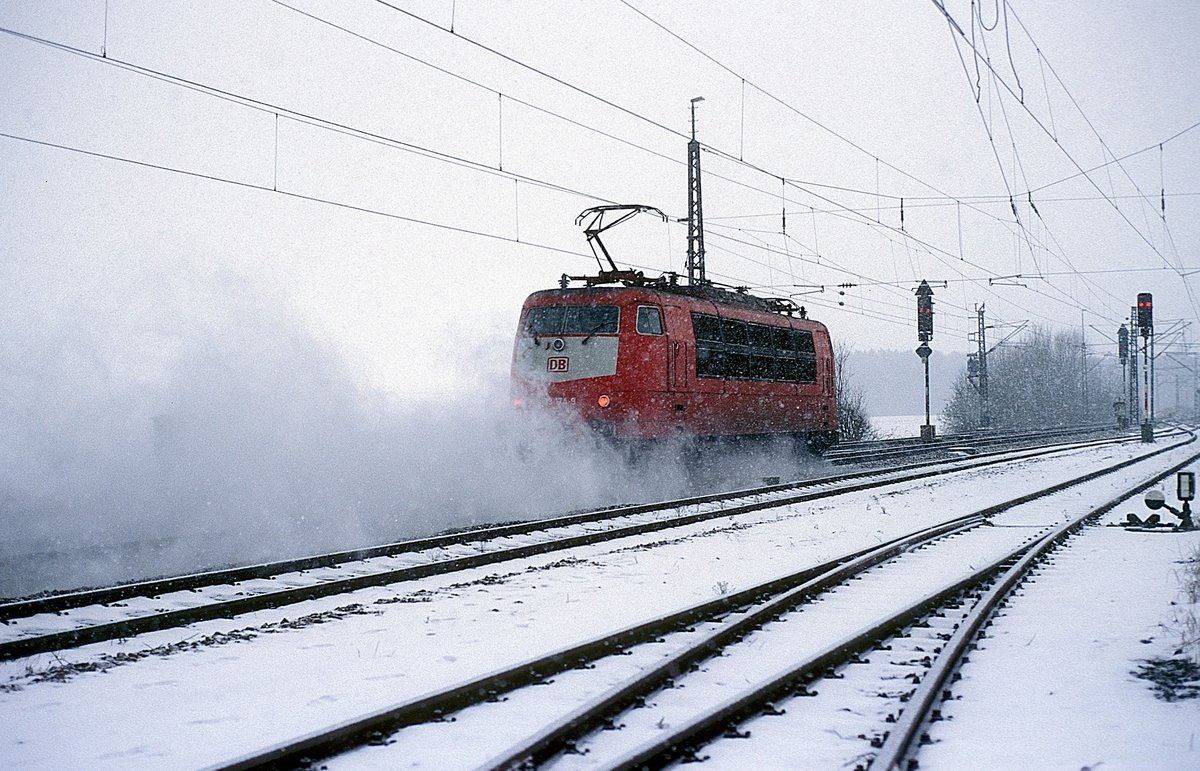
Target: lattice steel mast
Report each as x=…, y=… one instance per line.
x=695, y=254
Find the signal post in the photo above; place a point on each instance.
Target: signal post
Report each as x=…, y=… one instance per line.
x=1121, y=410
x=977, y=372
x=1145, y=323
x=924, y=335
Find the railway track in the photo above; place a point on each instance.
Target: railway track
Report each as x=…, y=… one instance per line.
x=672, y=687
x=970, y=443
x=53, y=623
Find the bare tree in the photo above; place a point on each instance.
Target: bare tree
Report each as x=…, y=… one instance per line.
x=853, y=422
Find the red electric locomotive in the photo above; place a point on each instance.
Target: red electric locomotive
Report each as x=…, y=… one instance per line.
x=654, y=359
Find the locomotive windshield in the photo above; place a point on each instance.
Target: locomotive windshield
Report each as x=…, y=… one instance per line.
x=547, y=320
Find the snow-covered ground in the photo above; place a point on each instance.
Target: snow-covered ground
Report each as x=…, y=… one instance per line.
x=1053, y=684
x=214, y=691
x=902, y=426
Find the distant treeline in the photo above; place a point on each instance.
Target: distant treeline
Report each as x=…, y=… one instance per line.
x=1040, y=379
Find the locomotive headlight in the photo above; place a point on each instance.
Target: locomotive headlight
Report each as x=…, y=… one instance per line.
x=604, y=401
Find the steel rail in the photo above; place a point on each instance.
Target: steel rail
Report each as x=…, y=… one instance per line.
x=972, y=436
x=355, y=732
x=58, y=603
x=347, y=735
x=551, y=739
x=899, y=742
x=128, y=627
x=916, y=446
x=676, y=743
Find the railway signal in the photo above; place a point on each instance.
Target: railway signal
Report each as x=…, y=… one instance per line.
x=1185, y=482
x=1145, y=307
x=924, y=312
x=1120, y=407
x=924, y=335
x=1145, y=322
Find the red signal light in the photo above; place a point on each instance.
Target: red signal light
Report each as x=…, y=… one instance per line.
x=1145, y=313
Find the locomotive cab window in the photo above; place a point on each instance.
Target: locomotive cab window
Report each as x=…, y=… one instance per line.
x=649, y=321
x=572, y=320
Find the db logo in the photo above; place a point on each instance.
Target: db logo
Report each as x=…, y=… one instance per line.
x=558, y=364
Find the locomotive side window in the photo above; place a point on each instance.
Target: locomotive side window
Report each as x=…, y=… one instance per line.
x=806, y=356
x=707, y=327
x=728, y=348
x=762, y=336
x=803, y=341
x=739, y=365
x=710, y=359
x=572, y=320
x=807, y=370
x=762, y=367
x=733, y=331
x=649, y=320
x=710, y=362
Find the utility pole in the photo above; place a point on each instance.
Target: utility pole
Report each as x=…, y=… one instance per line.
x=695, y=254
x=1123, y=354
x=1153, y=382
x=977, y=371
x=1145, y=315
x=1195, y=389
x=1083, y=369
x=1135, y=414
x=1195, y=383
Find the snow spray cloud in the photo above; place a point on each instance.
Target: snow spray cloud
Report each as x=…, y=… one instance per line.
x=167, y=425
x=162, y=417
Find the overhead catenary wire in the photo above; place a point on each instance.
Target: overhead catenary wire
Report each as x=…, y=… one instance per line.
x=982, y=57
x=994, y=77
x=291, y=194
x=578, y=89
x=557, y=79
x=276, y=111
x=742, y=77
x=632, y=113
x=1018, y=163
x=263, y=188
x=940, y=253
x=608, y=102
x=566, y=189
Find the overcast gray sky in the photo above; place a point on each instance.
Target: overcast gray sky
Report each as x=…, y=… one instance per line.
x=396, y=189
